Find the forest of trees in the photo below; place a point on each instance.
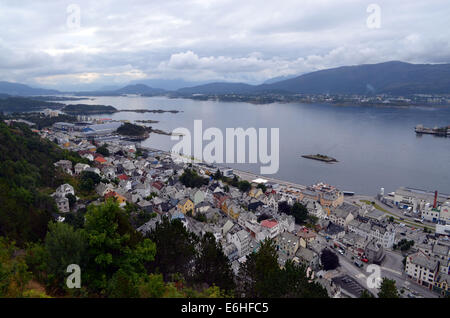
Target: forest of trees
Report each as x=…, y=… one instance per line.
x=26, y=170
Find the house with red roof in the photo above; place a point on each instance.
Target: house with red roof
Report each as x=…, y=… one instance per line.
x=272, y=226
x=158, y=185
x=100, y=159
x=123, y=176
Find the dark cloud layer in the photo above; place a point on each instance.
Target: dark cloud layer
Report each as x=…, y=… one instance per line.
x=198, y=40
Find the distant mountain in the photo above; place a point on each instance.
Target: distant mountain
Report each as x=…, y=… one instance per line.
x=139, y=89
x=219, y=88
x=396, y=78
x=16, y=89
x=169, y=84
x=279, y=79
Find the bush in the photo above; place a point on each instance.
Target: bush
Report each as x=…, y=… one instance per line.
x=103, y=150
x=191, y=179
x=244, y=186
x=329, y=260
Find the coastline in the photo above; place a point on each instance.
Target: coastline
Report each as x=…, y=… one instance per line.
x=247, y=99
x=245, y=175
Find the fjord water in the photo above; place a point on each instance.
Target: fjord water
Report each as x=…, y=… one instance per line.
x=375, y=146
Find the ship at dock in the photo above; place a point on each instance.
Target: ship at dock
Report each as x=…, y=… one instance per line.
x=437, y=131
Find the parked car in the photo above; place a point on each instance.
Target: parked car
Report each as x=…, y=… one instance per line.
x=341, y=251
x=359, y=264
x=365, y=260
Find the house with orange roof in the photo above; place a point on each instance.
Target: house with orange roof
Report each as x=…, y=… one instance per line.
x=100, y=160
x=117, y=197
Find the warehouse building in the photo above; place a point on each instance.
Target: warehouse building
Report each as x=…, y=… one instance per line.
x=101, y=129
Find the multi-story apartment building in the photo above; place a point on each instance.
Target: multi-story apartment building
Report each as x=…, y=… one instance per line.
x=241, y=239
x=422, y=268
x=272, y=226
x=382, y=233
x=287, y=243
x=326, y=195
x=343, y=214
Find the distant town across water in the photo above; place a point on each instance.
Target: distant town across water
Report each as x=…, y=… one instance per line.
x=376, y=146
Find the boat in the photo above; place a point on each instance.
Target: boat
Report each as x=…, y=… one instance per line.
x=320, y=157
x=438, y=131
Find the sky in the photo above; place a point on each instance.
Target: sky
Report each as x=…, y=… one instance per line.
x=91, y=44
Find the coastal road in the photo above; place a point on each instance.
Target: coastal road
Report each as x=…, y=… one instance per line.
x=252, y=176
x=244, y=175
x=389, y=211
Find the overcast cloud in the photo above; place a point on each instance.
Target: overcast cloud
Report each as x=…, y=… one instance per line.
x=199, y=40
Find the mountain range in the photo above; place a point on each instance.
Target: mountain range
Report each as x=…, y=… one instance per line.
x=395, y=78
x=16, y=89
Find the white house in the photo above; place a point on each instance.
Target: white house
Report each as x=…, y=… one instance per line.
x=422, y=268
x=80, y=167
x=64, y=190
x=241, y=239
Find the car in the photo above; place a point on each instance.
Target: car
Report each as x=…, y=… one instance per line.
x=359, y=264
x=341, y=252
x=365, y=260
x=403, y=233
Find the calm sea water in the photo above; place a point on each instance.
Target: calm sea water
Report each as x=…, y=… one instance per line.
x=376, y=147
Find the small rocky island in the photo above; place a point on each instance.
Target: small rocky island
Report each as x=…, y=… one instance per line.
x=320, y=158
x=135, y=132
x=147, y=121
x=83, y=109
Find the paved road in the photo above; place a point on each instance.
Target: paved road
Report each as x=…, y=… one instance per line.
x=395, y=212
x=391, y=268
x=252, y=176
